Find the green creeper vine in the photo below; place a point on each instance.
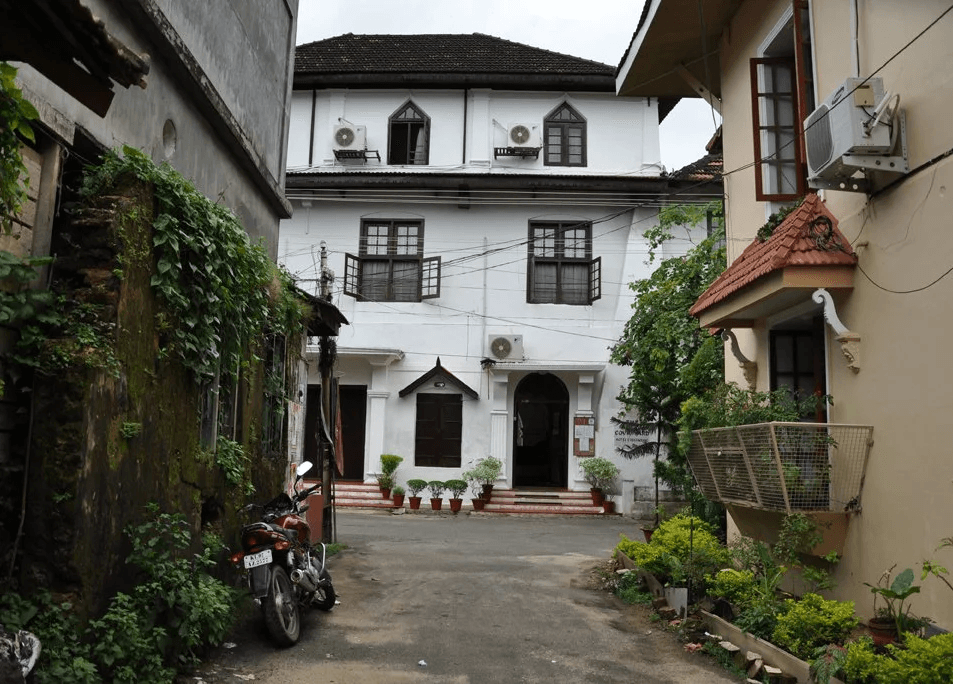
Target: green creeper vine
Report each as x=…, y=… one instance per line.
x=775, y=220
x=220, y=291
x=15, y=115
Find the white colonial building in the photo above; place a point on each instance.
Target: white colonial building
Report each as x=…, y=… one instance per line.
x=483, y=205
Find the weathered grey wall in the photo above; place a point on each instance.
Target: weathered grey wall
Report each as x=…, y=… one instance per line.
x=221, y=74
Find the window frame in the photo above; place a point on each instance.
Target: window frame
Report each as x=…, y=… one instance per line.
x=594, y=279
x=393, y=121
x=427, y=269
x=453, y=457
x=812, y=336
x=553, y=124
x=768, y=176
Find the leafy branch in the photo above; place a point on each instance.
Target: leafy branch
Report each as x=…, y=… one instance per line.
x=15, y=116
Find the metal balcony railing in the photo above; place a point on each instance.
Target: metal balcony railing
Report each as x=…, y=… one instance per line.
x=787, y=467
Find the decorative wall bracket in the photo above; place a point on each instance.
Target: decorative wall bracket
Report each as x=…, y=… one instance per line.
x=748, y=367
x=849, y=341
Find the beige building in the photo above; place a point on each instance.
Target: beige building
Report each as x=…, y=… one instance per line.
x=847, y=102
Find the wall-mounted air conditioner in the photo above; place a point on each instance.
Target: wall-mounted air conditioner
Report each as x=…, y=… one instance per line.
x=522, y=135
x=347, y=136
x=506, y=347
x=856, y=128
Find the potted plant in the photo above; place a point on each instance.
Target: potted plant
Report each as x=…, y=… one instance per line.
x=891, y=620
x=457, y=488
x=398, y=493
x=486, y=471
x=436, y=488
x=600, y=473
x=415, y=487
x=386, y=479
x=385, y=482
x=476, y=489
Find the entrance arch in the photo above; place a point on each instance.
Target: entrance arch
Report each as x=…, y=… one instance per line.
x=540, y=432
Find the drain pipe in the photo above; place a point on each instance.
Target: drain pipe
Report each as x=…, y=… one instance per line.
x=854, y=38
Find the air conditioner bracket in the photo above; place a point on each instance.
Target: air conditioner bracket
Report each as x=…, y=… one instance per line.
x=363, y=155
x=523, y=152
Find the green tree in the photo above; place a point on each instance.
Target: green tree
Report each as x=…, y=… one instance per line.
x=671, y=357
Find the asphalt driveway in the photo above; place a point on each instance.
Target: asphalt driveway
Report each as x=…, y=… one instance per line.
x=468, y=599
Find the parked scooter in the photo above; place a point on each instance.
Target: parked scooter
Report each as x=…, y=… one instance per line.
x=285, y=571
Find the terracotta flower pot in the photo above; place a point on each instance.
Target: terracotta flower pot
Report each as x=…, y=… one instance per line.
x=647, y=531
x=882, y=630
x=478, y=504
x=385, y=492
x=596, y=496
x=608, y=507
x=414, y=503
x=456, y=505
x=399, y=501
x=487, y=492
x=436, y=504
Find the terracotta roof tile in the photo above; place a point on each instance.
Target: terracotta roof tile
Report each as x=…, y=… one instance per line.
x=804, y=238
x=708, y=168
x=473, y=53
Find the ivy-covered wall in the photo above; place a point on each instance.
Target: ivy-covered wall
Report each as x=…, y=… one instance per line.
x=119, y=426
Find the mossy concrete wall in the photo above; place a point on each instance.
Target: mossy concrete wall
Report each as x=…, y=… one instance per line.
x=106, y=443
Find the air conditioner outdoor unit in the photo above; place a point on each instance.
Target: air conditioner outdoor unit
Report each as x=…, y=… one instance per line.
x=522, y=135
x=506, y=347
x=854, y=129
x=350, y=137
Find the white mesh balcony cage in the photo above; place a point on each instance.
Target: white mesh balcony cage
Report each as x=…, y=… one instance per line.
x=785, y=467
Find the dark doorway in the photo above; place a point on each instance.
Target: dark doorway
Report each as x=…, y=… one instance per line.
x=540, y=432
x=353, y=422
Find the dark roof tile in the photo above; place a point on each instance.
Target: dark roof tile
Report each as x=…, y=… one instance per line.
x=472, y=53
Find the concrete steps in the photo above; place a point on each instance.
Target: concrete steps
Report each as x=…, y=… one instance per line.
x=520, y=501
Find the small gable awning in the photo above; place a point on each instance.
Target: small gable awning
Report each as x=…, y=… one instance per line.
x=439, y=374
x=806, y=251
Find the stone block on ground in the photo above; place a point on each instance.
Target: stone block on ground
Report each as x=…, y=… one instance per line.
x=668, y=613
x=659, y=602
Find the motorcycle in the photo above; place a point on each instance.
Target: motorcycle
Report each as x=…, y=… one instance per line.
x=285, y=572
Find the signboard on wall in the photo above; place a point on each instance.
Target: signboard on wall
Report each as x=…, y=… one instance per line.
x=584, y=436
x=627, y=440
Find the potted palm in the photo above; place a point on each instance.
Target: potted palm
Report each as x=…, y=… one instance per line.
x=457, y=488
x=415, y=486
x=436, y=488
x=398, y=494
x=600, y=473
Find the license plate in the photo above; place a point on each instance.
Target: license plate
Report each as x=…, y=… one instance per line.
x=256, y=559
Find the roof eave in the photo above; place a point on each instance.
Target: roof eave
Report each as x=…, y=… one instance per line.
x=675, y=33
x=518, y=81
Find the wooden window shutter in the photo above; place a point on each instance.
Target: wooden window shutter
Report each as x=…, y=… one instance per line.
x=352, y=275
x=430, y=278
x=595, y=279
x=768, y=117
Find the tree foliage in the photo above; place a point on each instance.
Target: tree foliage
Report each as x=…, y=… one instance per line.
x=671, y=357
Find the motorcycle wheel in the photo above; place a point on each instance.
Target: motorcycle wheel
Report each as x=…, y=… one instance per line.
x=282, y=617
x=324, y=597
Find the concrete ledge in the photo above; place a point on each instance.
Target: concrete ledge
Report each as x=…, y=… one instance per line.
x=772, y=655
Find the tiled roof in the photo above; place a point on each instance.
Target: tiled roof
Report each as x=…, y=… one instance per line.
x=470, y=53
x=808, y=236
x=708, y=168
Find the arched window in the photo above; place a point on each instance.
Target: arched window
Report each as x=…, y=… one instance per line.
x=564, y=130
x=409, y=132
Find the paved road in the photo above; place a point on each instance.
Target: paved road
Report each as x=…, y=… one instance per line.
x=478, y=599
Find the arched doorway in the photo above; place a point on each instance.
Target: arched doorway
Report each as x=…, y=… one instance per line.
x=540, y=432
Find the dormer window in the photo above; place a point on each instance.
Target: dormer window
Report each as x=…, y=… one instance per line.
x=409, y=131
x=564, y=131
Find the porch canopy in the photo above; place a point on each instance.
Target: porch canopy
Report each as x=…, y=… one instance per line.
x=805, y=252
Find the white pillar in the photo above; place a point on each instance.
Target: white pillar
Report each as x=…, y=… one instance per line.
x=499, y=416
x=376, y=414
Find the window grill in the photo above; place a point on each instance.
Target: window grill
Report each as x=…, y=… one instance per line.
x=786, y=467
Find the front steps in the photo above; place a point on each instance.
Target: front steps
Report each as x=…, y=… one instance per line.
x=524, y=501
